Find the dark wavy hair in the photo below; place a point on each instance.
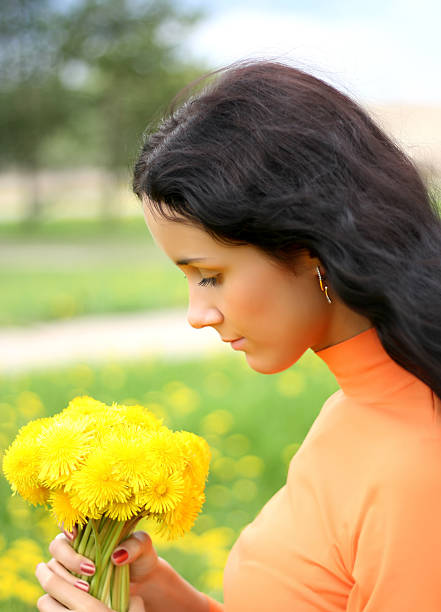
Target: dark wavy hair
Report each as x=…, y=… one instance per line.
x=268, y=155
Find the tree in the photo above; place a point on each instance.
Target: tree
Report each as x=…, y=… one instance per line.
x=92, y=76
x=32, y=99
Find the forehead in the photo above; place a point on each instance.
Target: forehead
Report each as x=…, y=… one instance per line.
x=181, y=239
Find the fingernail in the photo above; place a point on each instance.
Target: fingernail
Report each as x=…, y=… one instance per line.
x=120, y=555
x=69, y=536
x=82, y=584
x=87, y=568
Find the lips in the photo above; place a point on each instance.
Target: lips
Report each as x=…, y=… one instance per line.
x=237, y=344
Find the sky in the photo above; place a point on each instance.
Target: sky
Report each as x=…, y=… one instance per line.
x=377, y=51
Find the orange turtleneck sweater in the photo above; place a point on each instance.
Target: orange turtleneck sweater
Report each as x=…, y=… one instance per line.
x=357, y=526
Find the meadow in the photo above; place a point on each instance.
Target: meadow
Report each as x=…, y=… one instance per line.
x=253, y=423
x=63, y=269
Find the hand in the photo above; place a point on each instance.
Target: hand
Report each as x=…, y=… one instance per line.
x=160, y=587
x=63, y=592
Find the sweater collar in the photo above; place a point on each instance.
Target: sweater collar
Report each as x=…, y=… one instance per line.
x=366, y=372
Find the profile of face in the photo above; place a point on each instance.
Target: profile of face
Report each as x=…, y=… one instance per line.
x=270, y=312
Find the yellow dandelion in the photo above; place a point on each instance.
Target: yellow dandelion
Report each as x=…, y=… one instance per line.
x=64, y=511
x=37, y=495
x=33, y=428
x=88, y=509
x=84, y=405
x=139, y=416
x=163, y=493
x=63, y=446
x=127, y=445
x=123, y=511
x=97, y=483
x=21, y=465
x=181, y=519
x=197, y=456
x=164, y=452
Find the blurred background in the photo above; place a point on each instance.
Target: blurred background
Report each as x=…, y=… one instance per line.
x=88, y=305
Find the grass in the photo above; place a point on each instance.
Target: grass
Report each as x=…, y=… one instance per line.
x=78, y=230
x=62, y=269
x=253, y=423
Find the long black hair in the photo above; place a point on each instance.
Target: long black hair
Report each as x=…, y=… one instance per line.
x=269, y=155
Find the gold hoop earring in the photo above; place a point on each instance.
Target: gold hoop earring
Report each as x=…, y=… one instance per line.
x=325, y=290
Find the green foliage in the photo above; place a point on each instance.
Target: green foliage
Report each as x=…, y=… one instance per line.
x=80, y=81
x=33, y=101
x=129, y=57
x=253, y=423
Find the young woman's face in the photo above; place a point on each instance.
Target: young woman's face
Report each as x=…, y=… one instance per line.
x=271, y=314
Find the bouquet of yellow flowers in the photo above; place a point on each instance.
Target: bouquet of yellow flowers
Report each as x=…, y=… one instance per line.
x=103, y=468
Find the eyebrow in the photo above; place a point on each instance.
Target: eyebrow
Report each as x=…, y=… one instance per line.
x=185, y=262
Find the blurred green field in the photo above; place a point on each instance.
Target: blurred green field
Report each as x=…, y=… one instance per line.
x=253, y=423
x=63, y=269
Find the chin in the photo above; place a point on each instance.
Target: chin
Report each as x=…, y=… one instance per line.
x=268, y=367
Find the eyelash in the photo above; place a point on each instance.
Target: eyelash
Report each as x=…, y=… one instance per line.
x=208, y=282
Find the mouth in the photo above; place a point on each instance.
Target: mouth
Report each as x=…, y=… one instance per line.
x=237, y=344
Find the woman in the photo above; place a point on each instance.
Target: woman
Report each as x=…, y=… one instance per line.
x=298, y=225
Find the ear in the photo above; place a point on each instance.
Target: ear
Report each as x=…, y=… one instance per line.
x=315, y=262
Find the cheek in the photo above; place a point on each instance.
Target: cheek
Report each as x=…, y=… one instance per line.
x=261, y=309
x=249, y=300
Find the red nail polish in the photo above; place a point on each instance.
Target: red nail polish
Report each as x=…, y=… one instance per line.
x=120, y=555
x=87, y=568
x=82, y=584
x=69, y=536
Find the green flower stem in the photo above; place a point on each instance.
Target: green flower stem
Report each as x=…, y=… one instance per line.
x=100, y=582
x=82, y=543
x=90, y=549
x=125, y=587
x=112, y=540
x=104, y=593
x=97, y=540
x=116, y=588
x=120, y=590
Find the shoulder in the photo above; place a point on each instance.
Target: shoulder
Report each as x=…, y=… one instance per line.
x=411, y=462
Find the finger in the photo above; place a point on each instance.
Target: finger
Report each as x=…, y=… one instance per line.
x=63, y=552
x=136, y=605
x=47, y=604
x=61, y=571
x=70, y=535
x=64, y=593
x=137, y=550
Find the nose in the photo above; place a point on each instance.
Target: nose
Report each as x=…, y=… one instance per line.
x=203, y=315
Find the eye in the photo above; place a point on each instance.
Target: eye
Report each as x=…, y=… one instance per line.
x=208, y=282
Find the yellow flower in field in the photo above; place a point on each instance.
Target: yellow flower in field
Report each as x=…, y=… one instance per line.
x=63, y=446
x=123, y=511
x=164, y=452
x=17, y=565
x=64, y=511
x=97, y=483
x=163, y=493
